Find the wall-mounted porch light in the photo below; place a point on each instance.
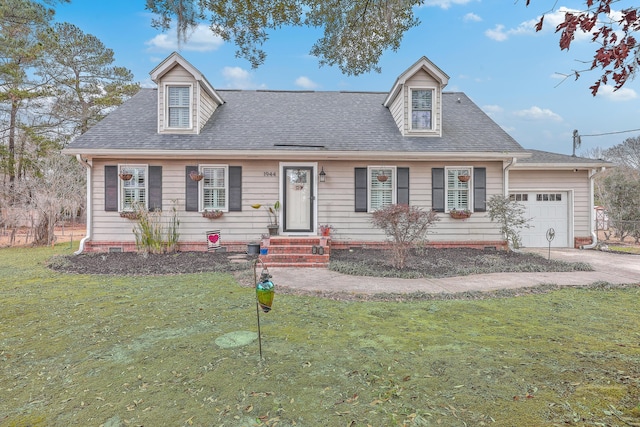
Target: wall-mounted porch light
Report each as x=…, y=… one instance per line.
x=322, y=175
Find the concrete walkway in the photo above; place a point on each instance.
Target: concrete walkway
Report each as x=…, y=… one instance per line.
x=609, y=267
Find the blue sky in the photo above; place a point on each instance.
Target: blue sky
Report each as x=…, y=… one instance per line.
x=488, y=48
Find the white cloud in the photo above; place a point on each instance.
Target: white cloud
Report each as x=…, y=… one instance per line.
x=551, y=21
x=239, y=78
x=306, y=83
x=445, y=4
x=537, y=113
x=622, y=94
x=498, y=34
x=201, y=39
x=471, y=17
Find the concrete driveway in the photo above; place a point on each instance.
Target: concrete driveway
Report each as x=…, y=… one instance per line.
x=609, y=267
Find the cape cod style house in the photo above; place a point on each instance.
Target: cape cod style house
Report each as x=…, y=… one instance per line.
x=326, y=157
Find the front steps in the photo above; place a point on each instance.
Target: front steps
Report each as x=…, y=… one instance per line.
x=287, y=251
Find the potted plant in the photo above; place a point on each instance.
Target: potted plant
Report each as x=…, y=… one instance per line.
x=212, y=214
x=273, y=213
x=129, y=214
x=465, y=177
x=460, y=213
x=195, y=176
x=326, y=229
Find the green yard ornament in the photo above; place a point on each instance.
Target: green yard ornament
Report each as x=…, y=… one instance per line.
x=265, y=291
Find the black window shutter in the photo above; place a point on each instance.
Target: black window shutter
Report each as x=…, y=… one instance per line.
x=437, y=189
x=235, y=188
x=480, y=189
x=111, y=188
x=361, y=189
x=191, y=194
x=155, y=188
x=403, y=186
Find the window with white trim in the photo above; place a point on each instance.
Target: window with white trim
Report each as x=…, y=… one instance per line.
x=457, y=186
x=179, y=106
x=214, y=187
x=133, y=191
x=382, y=187
x=421, y=109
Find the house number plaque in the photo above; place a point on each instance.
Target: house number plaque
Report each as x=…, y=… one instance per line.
x=268, y=174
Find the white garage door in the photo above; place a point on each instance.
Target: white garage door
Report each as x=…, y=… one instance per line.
x=546, y=210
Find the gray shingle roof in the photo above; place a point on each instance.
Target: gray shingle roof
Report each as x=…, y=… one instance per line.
x=281, y=120
x=547, y=158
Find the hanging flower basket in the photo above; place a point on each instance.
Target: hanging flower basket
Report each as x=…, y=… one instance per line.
x=125, y=176
x=195, y=176
x=212, y=214
x=459, y=214
x=464, y=178
x=129, y=215
x=382, y=178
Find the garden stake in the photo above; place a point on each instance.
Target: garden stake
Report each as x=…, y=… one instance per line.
x=264, y=295
x=551, y=234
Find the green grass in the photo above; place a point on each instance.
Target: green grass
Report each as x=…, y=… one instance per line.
x=625, y=249
x=89, y=350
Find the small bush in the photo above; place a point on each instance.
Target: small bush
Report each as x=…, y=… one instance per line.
x=404, y=225
x=153, y=235
x=510, y=215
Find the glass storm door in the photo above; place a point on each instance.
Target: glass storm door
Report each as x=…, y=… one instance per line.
x=298, y=199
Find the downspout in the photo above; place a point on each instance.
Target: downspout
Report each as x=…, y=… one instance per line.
x=87, y=165
x=594, y=235
x=505, y=176
x=505, y=189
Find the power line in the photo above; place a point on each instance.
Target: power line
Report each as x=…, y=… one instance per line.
x=612, y=133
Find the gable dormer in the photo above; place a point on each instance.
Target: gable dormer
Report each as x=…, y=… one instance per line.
x=415, y=100
x=186, y=100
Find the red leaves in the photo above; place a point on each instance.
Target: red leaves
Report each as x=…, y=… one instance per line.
x=617, y=45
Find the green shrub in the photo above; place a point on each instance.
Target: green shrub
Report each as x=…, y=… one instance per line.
x=155, y=234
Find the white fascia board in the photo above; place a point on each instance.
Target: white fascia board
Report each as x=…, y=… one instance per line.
x=560, y=166
x=294, y=154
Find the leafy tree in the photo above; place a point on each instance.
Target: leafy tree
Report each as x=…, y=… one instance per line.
x=356, y=33
x=79, y=67
x=510, y=215
x=618, y=54
x=404, y=225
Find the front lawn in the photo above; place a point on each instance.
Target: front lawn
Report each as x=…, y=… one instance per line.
x=115, y=350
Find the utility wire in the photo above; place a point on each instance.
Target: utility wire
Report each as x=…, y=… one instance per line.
x=612, y=133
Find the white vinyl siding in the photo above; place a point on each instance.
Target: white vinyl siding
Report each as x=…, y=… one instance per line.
x=214, y=188
x=133, y=192
x=179, y=106
x=421, y=109
x=381, y=193
x=458, y=193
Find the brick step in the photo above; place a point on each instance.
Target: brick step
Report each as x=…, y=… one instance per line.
x=294, y=258
x=297, y=264
x=296, y=250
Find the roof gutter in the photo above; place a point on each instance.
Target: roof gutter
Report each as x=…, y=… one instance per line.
x=594, y=235
x=86, y=163
x=309, y=154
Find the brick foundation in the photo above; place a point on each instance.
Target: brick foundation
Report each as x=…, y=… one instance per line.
x=581, y=241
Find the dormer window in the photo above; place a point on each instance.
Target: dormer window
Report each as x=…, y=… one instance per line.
x=421, y=109
x=179, y=106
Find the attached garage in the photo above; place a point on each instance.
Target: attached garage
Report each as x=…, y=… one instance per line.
x=547, y=210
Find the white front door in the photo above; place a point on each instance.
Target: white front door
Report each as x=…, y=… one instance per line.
x=298, y=203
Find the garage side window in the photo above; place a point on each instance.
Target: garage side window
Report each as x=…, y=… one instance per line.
x=519, y=197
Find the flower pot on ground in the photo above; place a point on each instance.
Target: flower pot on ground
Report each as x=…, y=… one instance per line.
x=273, y=229
x=325, y=230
